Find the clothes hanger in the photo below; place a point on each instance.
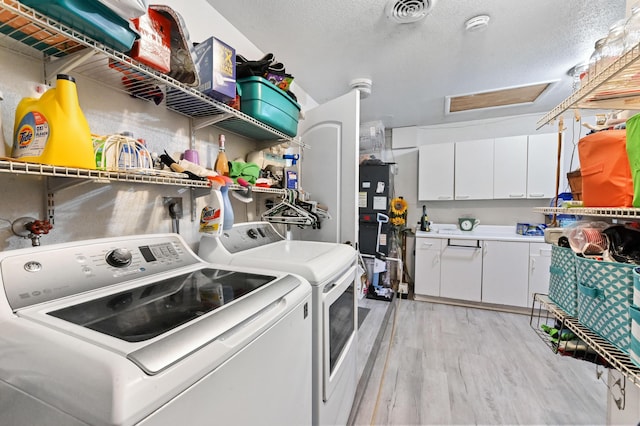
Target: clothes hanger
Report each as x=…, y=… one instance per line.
x=288, y=212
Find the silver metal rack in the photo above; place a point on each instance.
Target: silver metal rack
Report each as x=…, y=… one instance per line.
x=615, y=87
x=612, y=212
x=21, y=168
x=612, y=355
x=65, y=50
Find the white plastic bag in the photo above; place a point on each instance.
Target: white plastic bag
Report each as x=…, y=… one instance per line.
x=127, y=9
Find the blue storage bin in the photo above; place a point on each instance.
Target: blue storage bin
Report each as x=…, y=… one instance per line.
x=90, y=18
x=605, y=293
x=262, y=100
x=634, y=344
x=563, y=282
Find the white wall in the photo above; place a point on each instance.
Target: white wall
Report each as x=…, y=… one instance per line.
x=93, y=210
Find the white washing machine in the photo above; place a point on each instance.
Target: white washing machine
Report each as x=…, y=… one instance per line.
x=140, y=331
x=330, y=268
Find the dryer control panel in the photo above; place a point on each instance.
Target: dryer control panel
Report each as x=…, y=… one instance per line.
x=45, y=273
x=245, y=236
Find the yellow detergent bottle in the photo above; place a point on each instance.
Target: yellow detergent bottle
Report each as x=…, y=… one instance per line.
x=52, y=129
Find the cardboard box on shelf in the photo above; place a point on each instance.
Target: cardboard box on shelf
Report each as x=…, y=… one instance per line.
x=216, y=62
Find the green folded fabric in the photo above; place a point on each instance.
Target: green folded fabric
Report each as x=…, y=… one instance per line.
x=247, y=171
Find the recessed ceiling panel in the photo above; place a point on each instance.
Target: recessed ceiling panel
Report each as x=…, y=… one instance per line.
x=496, y=98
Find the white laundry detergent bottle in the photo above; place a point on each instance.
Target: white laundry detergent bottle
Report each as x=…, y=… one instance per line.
x=212, y=216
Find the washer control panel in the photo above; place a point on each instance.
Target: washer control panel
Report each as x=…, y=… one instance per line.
x=45, y=273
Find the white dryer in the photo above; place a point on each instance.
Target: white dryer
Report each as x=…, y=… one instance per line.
x=139, y=330
x=330, y=268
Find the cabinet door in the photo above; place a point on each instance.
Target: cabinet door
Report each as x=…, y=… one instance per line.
x=427, y=275
x=539, y=263
x=542, y=163
x=474, y=170
x=510, y=167
x=461, y=270
x=505, y=277
x=435, y=172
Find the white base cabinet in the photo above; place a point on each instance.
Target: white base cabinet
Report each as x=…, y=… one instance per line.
x=505, y=267
x=461, y=270
x=427, y=263
x=486, y=271
x=539, y=263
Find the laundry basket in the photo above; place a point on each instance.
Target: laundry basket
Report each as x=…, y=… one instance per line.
x=605, y=293
x=563, y=283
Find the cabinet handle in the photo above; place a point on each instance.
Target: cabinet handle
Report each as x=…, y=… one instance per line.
x=462, y=197
x=516, y=195
x=444, y=197
x=427, y=244
x=536, y=195
x=477, y=246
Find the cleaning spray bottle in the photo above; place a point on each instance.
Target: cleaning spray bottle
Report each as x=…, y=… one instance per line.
x=52, y=129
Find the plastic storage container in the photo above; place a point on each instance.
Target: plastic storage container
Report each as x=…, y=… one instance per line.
x=91, y=18
x=265, y=102
x=563, y=284
x=605, y=294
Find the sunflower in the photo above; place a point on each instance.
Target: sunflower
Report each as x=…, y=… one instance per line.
x=398, y=211
x=398, y=206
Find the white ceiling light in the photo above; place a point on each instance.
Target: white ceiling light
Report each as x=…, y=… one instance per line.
x=407, y=11
x=477, y=23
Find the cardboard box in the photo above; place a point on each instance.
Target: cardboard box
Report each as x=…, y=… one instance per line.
x=216, y=62
x=153, y=48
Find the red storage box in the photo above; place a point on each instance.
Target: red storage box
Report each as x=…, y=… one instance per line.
x=604, y=165
x=154, y=46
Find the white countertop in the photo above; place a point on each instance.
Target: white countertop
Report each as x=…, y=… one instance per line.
x=481, y=232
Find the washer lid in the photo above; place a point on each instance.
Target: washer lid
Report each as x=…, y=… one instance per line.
x=315, y=261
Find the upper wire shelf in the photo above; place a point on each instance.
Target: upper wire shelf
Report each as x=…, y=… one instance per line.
x=615, y=87
x=66, y=49
x=613, y=212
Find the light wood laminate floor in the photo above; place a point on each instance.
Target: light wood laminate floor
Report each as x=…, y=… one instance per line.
x=453, y=365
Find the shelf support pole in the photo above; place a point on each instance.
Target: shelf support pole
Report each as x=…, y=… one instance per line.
x=559, y=159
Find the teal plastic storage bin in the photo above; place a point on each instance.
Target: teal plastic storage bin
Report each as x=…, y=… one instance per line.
x=265, y=102
x=634, y=344
x=91, y=18
x=563, y=282
x=605, y=293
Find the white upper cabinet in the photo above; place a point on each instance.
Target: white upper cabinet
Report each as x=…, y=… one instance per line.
x=435, y=172
x=474, y=170
x=510, y=168
x=541, y=170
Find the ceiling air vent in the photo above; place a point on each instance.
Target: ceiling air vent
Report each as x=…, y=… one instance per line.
x=406, y=11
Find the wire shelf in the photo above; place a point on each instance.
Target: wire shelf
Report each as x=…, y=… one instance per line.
x=613, y=212
x=615, y=87
x=21, y=168
x=607, y=352
x=68, y=50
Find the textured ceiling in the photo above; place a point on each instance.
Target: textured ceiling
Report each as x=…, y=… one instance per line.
x=414, y=67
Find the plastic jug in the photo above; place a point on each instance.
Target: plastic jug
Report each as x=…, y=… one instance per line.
x=53, y=129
